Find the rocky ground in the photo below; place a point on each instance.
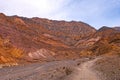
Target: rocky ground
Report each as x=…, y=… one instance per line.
x=109, y=66
x=56, y=70
x=100, y=68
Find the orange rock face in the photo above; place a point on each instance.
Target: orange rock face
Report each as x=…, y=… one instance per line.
x=9, y=55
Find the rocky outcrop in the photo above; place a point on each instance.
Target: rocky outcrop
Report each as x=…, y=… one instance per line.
x=103, y=32
x=106, y=40
x=109, y=42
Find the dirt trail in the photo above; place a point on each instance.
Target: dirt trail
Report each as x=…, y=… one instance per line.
x=85, y=72
x=52, y=71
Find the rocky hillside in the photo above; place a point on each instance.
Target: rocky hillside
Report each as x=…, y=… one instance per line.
x=38, y=39
x=109, y=41
x=26, y=40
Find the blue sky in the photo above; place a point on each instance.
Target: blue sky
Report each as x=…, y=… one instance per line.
x=97, y=13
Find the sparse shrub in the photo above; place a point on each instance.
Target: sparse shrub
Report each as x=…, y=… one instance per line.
x=68, y=71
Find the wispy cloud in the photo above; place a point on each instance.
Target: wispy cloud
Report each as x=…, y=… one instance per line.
x=94, y=12
x=30, y=8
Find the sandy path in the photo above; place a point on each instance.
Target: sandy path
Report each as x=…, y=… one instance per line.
x=85, y=72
